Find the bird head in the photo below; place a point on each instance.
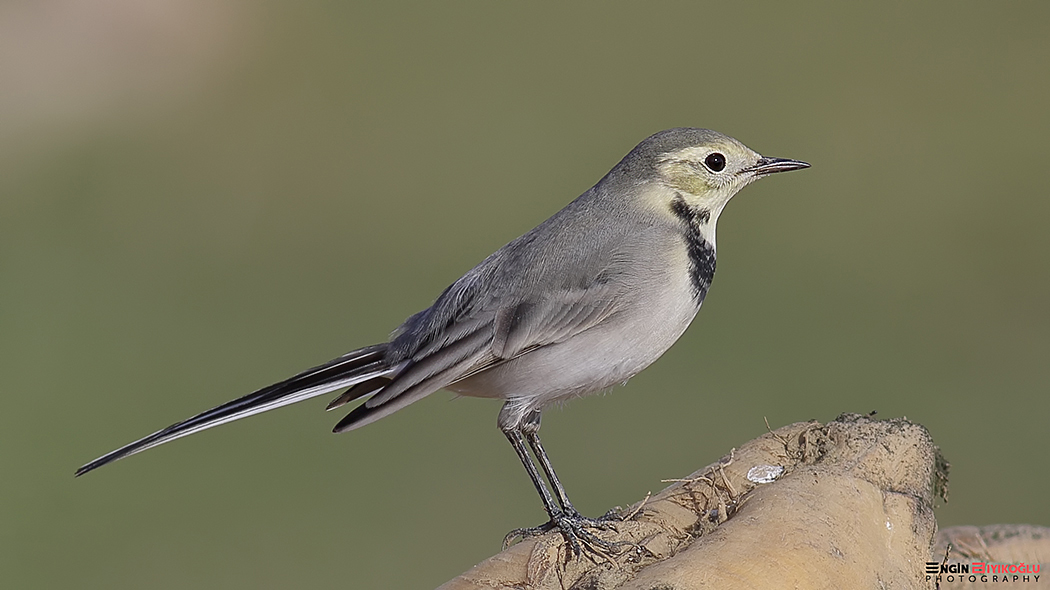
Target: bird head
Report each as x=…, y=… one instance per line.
x=702, y=167
x=706, y=168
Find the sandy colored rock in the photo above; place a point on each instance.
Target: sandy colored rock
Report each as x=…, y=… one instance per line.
x=842, y=505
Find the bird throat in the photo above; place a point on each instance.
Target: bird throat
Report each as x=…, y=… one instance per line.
x=701, y=251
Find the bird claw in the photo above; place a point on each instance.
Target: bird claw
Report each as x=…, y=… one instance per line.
x=574, y=528
x=525, y=533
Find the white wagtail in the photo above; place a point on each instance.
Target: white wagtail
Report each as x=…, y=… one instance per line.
x=584, y=301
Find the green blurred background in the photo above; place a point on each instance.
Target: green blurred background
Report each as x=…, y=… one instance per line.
x=197, y=199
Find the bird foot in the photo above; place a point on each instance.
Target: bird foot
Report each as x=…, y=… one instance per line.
x=576, y=529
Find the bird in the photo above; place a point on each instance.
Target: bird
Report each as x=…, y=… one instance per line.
x=577, y=305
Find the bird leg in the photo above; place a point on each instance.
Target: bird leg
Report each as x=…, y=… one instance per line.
x=563, y=516
x=531, y=429
x=517, y=441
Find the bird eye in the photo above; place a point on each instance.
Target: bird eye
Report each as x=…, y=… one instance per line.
x=716, y=162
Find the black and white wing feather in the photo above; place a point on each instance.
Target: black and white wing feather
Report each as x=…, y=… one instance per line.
x=352, y=368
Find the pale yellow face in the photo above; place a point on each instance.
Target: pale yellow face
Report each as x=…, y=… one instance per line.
x=709, y=175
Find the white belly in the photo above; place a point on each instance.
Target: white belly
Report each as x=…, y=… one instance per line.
x=596, y=359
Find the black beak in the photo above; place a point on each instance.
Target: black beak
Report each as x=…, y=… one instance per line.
x=770, y=165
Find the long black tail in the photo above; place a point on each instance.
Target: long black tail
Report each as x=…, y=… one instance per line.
x=348, y=370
